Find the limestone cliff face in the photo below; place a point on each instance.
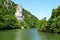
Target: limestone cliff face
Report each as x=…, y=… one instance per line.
x=18, y=13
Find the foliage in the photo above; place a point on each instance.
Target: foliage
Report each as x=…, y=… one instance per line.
x=42, y=24
x=53, y=24
x=8, y=19
x=30, y=19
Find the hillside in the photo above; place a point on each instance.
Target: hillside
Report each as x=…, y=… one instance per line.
x=53, y=24
x=14, y=16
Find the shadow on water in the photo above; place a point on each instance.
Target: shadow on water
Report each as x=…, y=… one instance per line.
x=7, y=35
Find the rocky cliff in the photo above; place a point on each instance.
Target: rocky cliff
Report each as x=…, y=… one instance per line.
x=15, y=16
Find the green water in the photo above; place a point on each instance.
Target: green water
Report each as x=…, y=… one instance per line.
x=27, y=34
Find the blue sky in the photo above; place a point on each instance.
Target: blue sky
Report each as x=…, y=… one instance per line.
x=39, y=8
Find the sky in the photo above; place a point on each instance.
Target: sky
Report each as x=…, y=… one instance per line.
x=39, y=8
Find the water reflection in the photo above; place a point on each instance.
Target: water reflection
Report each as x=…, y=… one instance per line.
x=27, y=34
x=49, y=36
x=7, y=35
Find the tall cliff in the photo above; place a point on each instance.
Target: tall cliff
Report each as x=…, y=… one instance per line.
x=15, y=16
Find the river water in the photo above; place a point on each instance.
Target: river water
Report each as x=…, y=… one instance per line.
x=27, y=34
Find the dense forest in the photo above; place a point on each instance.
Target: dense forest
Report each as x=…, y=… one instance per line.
x=52, y=24
x=8, y=19
x=30, y=19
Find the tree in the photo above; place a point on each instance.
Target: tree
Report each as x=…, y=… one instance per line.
x=42, y=24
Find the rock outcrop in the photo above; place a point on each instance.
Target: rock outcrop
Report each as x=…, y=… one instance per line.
x=18, y=13
x=8, y=3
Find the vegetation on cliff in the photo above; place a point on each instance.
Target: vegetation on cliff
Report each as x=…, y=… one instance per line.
x=53, y=24
x=30, y=19
x=8, y=19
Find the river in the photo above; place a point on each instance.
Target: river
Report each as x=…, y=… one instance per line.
x=27, y=34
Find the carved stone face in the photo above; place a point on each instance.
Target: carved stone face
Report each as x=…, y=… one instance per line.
x=18, y=13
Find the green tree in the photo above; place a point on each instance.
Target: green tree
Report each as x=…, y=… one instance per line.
x=42, y=24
